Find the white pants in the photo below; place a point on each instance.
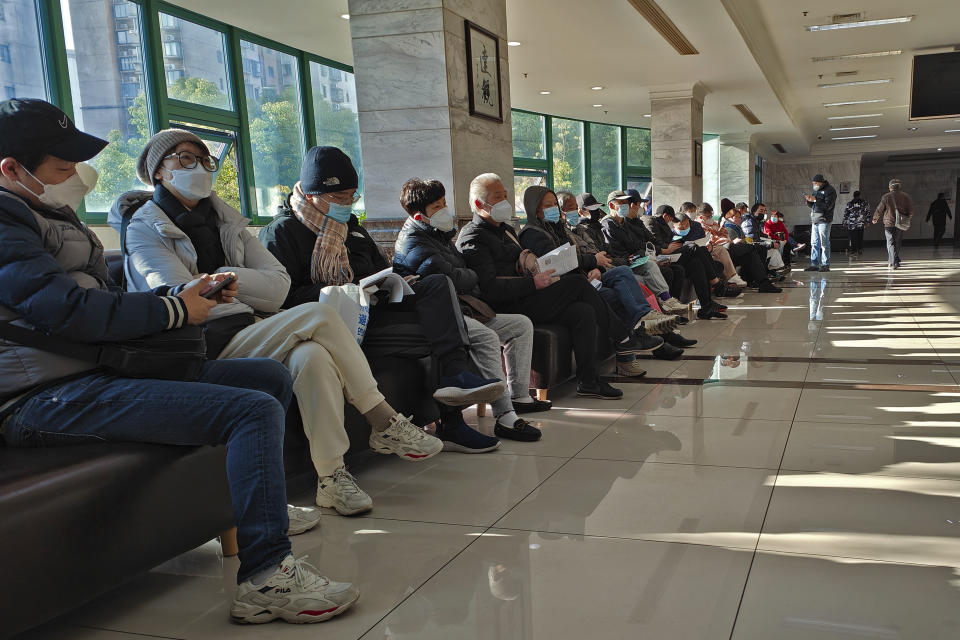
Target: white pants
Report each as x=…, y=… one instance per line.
x=327, y=366
x=514, y=332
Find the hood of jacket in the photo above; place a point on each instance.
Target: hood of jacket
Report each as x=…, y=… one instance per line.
x=531, y=200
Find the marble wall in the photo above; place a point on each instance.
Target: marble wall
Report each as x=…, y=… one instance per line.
x=711, y=171
x=922, y=184
x=784, y=184
x=735, y=170
x=675, y=123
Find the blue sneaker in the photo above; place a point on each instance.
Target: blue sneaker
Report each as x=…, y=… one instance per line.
x=466, y=388
x=458, y=436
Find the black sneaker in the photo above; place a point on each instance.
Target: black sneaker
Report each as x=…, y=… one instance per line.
x=721, y=290
x=824, y=269
x=521, y=430
x=667, y=352
x=639, y=342
x=675, y=339
x=812, y=268
x=769, y=287
x=458, y=436
x=712, y=312
x=532, y=407
x=598, y=389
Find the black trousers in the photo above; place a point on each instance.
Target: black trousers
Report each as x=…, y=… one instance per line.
x=938, y=234
x=676, y=277
x=746, y=256
x=699, y=270
x=856, y=239
x=574, y=303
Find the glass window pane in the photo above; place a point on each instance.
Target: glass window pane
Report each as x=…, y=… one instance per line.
x=21, y=61
x=523, y=178
x=638, y=147
x=568, y=155
x=276, y=131
x=193, y=61
x=105, y=60
x=529, y=139
x=604, y=160
x=335, y=114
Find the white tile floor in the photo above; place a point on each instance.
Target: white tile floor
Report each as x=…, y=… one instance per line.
x=750, y=499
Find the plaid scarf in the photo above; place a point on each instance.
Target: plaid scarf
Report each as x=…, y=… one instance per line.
x=330, y=263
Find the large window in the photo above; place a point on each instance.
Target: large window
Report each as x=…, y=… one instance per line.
x=276, y=135
x=107, y=88
x=193, y=58
x=529, y=136
x=335, y=114
x=22, y=72
x=568, y=155
x=604, y=160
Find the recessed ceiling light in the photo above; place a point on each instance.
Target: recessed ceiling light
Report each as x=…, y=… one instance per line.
x=345, y=16
x=598, y=88
x=858, y=23
x=862, y=115
x=544, y=93
x=647, y=115
x=866, y=126
x=831, y=85
x=843, y=104
x=952, y=131
x=854, y=137
x=939, y=148
x=514, y=43
x=598, y=105
x=855, y=56
x=912, y=128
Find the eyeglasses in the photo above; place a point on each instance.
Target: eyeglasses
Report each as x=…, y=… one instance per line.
x=343, y=199
x=189, y=160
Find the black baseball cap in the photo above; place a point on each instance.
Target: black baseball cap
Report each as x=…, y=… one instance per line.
x=31, y=126
x=588, y=202
x=635, y=196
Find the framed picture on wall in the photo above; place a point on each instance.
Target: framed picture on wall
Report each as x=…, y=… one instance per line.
x=845, y=187
x=483, y=73
x=697, y=158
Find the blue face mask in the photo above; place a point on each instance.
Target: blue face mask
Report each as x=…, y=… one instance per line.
x=551, y=214
x=681, y=232
x=573, y=218
x=339, y=212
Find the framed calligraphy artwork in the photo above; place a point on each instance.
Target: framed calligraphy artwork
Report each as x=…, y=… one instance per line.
x=483, y=73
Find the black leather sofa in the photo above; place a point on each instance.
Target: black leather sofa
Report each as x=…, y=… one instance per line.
x=839, y=238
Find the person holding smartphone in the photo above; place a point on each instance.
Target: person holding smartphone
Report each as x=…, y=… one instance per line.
x=822, y=204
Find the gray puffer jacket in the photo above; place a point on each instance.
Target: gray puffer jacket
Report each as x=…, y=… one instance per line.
x=159, y=253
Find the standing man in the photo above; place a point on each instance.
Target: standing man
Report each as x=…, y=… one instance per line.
x=855, y=216
x=939, y=211
x=822, y=202
x=896, y=201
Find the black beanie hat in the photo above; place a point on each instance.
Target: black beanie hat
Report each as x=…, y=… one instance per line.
x=327, y=169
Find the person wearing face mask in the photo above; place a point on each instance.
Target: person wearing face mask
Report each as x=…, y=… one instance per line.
x=321, y=243
x=774, y=227
x=714, y=244
x=492, y=249
x=822, y=203
x=183, y=229
x=745, y=255
x=425, y=247
x=752, y=225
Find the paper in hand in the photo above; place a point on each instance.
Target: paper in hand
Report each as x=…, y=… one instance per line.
x=562, y=260
x=389, y=281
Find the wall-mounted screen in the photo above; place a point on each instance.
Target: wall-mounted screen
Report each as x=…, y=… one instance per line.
x=935, y=89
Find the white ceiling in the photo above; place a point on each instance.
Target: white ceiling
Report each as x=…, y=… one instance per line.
x=755, y=52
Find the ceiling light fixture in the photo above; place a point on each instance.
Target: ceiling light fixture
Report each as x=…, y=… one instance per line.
x=952, y=131
x=345, y=16
x=912, y=128
x=854, y=137
x=939, y=148
x=647, y=115
x=862, y=115
x=858, y=23
x=544, y=93
x=852, y=83
x=843, y=104
x=855, y=56
x=866, y=126
x=598, y=105
x=596, y=88
x=514, y=43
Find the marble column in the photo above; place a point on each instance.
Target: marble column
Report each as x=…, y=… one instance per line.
x=676, y=122
x=409, y=58
x=737, y=158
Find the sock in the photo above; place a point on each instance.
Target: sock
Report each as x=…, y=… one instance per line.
x=522, y=400
x=260, y=577
x=629, y=358
x=508, y=419
x=665, y=296
x=379, y=417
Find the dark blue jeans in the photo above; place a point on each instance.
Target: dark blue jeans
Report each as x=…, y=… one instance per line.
x=237, y=403
x=624, y=284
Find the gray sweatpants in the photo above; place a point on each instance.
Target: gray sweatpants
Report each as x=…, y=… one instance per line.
x=514, y=332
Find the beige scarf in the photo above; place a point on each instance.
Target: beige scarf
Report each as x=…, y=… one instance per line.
x=330, y=263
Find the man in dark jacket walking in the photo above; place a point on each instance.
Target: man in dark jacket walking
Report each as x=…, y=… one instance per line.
x=939, y=212
x=822, y=203
x=891, y=204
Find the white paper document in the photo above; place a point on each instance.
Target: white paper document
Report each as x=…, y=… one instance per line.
x=563, y=259
x=387, y=280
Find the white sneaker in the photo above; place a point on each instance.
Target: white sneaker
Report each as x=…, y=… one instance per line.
x=302, y=519
x=737, y=281
x=296, y=593
x=674, y=306
x=656, y=323
x=405, y=439
x=341, y=492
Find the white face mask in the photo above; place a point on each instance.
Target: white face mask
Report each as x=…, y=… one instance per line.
x=192, y=184
x=442, y=220
x=816, y=187
x=68, y=193
x=502, y=211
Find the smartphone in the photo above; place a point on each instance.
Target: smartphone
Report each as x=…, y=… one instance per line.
x=215, y=289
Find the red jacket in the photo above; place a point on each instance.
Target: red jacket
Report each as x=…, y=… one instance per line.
x=771, y=229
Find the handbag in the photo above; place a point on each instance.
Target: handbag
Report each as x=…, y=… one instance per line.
x=477, y=308
x=901, y=222
x=527, y=264
x=353, y=306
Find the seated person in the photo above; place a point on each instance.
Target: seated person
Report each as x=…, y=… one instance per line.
x=744, y=254
x=692, y=234
x=714, y=243
x=695, y=260
x=626, y=238
x=320, y=243
x=183, y=229
x=492, y=249
x=774, y=227
x=425, y=247
x=752, y=225
x=53, y=277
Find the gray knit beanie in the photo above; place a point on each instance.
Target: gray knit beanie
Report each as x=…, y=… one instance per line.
x=160, y=145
